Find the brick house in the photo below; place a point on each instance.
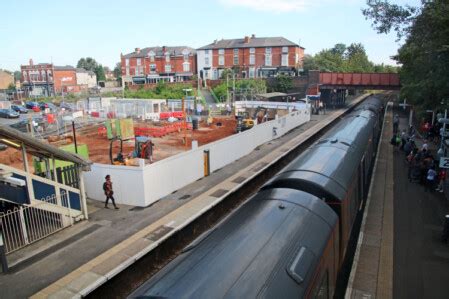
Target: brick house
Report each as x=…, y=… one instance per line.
x=153, y=64
x=250, y=57
x=46, y=79
x=6, y=79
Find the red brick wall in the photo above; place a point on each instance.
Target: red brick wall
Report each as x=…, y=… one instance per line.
x=153, y=85
x=64, y=78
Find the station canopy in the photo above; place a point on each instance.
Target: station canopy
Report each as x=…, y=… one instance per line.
x=14, y=138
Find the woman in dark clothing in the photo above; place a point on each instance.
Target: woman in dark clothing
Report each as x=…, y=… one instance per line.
x=107, y=187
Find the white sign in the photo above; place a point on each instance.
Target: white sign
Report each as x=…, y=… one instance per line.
x=444, y=162
x=77, y=114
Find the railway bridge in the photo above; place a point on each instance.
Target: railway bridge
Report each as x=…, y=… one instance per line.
x=332, y=86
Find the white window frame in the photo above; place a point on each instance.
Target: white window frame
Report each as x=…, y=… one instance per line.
x=221, y=60
x=186, y=66
x=138, y=61
x=206, y=52
x=206, y=61
x=284, y=49
x=167, y=57
x=153, y=67
x=268, y=50
x=252, y=59
x=221, y=51
x=252, y=50
x=167, y=68
x=284, y=60
x=268, y=60
x=127, y=61
x=236, y=57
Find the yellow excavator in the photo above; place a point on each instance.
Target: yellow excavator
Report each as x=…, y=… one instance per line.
x=244, y=121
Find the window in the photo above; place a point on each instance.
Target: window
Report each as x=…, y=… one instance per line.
x=167, y=57
x=206, y=61
x=284, y=49
x=127, y=70
x=167, y=68
x=268, y=59
x=152, y=67
x=236, y=56
x=206, y=52
x=186, y=57
x=252, y=59
x=127, y=62
x=296, y=58
x=151, y=55
x=284, y=60
x=267, y=50
x=221, y=51
x=186, y=67
x=252, y=50
x=138, y=61
x=221, y=60
x=252, y=72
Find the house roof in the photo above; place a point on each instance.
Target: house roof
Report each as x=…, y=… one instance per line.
x=158, y=51
x=82, y=70
x=64, y=67
x=41, y=149
x=254, y=42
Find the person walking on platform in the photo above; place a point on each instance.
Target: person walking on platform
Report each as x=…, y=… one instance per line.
x=395, y=123
x=107, y=188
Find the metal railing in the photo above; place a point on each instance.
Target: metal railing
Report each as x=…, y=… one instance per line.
x=28, y=224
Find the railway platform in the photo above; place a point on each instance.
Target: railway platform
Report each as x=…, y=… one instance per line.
x=78, y=260
x=399, y=252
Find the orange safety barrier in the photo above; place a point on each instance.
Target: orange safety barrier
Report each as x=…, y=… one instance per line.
x=160, y=131
x=102, y=131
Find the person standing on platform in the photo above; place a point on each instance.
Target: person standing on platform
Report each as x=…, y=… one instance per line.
x=441, y=178
x=431, y=174
x=395, y=123
x=107, y=188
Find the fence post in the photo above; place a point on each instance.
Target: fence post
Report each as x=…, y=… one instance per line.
x=4, y=261
x=23, y=226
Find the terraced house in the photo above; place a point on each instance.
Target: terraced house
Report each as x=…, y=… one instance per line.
x=250, y=57
x=153, y=64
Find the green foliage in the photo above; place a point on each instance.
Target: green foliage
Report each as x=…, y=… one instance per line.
x=118, y=71
x=242, y=86
x=340, y=58
x=11, y=86
x=161, y=91
x=99, y=71
x=221, y=91
x=17, y=75
x=425, y=54
x=284, y=83
x=226, y=73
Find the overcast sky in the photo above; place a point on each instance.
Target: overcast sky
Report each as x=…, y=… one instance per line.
x=61, y=31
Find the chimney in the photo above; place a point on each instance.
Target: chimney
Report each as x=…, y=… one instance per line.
x=253, y=35
x=163, y=50
x=246, y=39
x=31, y=62
x=137, y=50
x=215, y=41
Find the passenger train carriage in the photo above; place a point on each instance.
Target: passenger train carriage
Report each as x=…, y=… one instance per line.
x=289, y=240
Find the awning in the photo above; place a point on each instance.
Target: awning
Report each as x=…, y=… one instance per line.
x=39, y=148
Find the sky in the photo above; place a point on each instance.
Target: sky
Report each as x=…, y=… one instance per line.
x=62, y=31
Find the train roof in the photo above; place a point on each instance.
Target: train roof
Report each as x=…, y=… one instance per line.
x=326, y=169
x=372, y=103
x=269, y=247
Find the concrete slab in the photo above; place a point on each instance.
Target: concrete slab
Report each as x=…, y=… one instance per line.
x=84, y=281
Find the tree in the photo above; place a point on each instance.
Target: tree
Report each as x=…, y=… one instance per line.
x=89, y=64
x=309, y=63
x=17, y=75
x=425, y=54
x=99, y=71
x=118, y=71
x=284, y=83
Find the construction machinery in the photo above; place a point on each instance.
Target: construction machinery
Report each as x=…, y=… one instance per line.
x=143, y=148
x=244, y=121
x=119, y=159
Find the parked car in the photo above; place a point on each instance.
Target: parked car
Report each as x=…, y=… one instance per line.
x=19, y=108
x=67, y=106
x=8, y=113
x=50, y=106
x=23, y=124
x=33, y=106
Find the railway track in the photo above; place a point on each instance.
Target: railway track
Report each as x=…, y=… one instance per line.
x=133, y=276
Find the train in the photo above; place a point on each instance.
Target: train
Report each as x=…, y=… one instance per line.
x=290, y=239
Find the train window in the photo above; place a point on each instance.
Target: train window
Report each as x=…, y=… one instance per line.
x=300, y=265
x=323, y=291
